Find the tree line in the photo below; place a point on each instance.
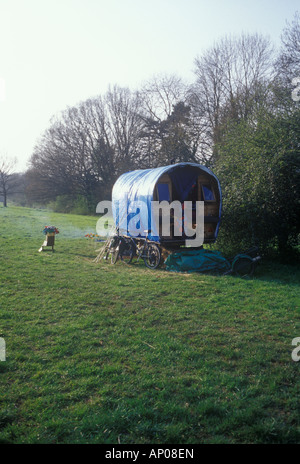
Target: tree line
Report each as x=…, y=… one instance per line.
x=240, y=117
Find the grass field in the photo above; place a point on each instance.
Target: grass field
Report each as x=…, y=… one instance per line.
x=97, y=353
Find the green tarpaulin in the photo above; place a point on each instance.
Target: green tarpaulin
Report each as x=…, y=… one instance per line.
x=197, y=261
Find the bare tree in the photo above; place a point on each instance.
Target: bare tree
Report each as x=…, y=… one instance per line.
x=171, y=130
x=287, y=65
x=124, y=126
x=7, y=181
x=228, y=78
x=288, y=61
x=160, y=94
x=87, y=147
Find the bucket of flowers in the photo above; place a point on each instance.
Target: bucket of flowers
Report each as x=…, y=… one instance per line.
x=50, y=232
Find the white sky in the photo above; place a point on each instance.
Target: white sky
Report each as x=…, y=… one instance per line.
x=55, y=53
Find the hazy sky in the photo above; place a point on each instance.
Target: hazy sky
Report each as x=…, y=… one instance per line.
x=59, y=52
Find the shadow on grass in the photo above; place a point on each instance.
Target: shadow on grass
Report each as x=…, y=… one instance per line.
x=273, y=271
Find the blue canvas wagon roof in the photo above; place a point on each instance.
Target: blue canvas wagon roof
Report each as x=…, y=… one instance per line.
x=139, y=186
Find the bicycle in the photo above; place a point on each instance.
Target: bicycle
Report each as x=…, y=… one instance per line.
x=244, y=264
x=149, y=251
x=117, y=247
x=127, y=250
x=112, y=248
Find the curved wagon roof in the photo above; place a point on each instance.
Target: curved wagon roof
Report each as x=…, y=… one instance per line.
x=139, y=186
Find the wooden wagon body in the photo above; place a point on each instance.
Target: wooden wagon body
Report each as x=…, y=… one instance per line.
x=183, y=182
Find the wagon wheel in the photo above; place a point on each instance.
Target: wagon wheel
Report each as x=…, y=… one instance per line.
x=127, y=252
x=243, y=265
x=152, y=256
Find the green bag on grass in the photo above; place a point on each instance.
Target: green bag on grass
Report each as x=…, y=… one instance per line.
x=199, y=260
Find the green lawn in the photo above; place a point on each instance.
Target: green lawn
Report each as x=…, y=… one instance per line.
x=97, y=353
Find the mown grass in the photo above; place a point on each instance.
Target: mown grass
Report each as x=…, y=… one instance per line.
x=120, y=354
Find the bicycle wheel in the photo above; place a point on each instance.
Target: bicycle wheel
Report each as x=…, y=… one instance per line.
x=115, y=252
x=152, y=256
x=243, y=265
x=127, y=252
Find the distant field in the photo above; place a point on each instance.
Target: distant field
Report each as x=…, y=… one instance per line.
x=97, y=353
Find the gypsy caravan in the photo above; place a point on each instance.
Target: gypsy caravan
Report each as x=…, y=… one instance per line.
x=184, y=183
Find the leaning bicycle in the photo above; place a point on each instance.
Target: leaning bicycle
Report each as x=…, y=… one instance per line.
x=146, y=249
x=112, y=249
x=118, y=246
